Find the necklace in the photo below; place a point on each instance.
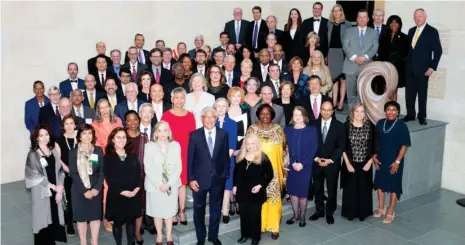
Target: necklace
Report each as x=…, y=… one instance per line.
x=390, y=128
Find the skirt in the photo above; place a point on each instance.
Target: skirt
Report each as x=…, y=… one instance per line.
x=335, y=62
x=160, y=205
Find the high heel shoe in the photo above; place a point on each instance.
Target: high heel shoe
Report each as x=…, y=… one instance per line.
x=176, y=217
x=379, y=213
x=182, y=212
x=389, y=218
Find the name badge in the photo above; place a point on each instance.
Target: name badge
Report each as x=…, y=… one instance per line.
x=88, y=120
x=43, y=162
x=94, y=159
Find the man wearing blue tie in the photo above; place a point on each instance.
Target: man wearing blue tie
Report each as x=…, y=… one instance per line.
x=257, y=31
x=73, y=82
x=207, y=170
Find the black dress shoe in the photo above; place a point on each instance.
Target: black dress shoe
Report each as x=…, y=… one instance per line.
x=408, y=119
x=302, y=223
x=226, y=219
x=291, y=221
x=242, y=240
x=361, y=219
x=255, y=242
x=316, y=216
x=215, y=241
x=140, y=242
x=422, y=121
x=329, y=219
x=71, y=232
x=201, y=243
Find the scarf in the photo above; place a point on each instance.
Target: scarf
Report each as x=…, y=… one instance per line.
x=84, y=164
x=34, y=174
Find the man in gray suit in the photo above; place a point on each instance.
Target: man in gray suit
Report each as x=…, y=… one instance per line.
x=80, y=110
x=266, y=93
x=360, y=44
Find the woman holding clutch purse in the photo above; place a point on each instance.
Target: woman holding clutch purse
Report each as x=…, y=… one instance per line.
x=163, y=166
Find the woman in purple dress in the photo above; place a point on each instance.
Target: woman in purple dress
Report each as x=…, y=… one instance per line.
x=302, y=144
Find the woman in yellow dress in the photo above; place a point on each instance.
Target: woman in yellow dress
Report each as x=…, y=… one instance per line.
x=273, y=142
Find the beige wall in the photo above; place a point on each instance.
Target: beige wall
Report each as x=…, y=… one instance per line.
x=40, y=38
x=446, y=87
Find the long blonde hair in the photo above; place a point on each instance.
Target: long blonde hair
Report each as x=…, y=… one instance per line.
x=258, y=154
x=322, y=60
x=331, y=15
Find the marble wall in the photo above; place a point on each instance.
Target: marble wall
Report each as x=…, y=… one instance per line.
x=40, y=38
x=446, y=90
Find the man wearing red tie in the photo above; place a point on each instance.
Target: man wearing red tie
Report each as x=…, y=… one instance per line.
x=134, y=65
x=162, y=76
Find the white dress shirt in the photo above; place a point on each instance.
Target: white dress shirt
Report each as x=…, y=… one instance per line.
x=328, y=124
x=104, y=76
x=226, y=77
x=123, y=87
x=276, y=84
x=80, y=109
x=213, y=130
x=280, y=64
x=148, y=127
x=158, y=110
x=318, y=102
x=74, y=85
x=167, y=66
x=130, y=104
x=201, y=69
x=264, y=71
x=316, y=24
x=133, y=66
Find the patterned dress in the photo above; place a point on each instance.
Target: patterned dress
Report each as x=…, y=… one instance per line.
x=273, y=142
x=138, y=144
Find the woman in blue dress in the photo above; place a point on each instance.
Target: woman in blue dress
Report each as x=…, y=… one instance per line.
x=302, y=144
x=230, y=126
x=393, y=139
x=298, y=78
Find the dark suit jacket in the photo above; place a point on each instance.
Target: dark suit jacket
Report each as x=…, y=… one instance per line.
x=140, y=68
x=32, y=111
x=98, y=96
x=146, y=56
x=89, y=113
x=236, y=78
x=230, y=28
x=100, y=85
x=334, y=145
x=307, y=27
x=257, y=72
x=382, y=35
x=284, y=67
x=268, y=82
x=91, y=68
x=305, y=103
x=278, y=33
x=66, y=88
x=428, y=45
x=261, y=38
x=48, y=117
x=166, y=106
x=119, y=98
x=122, y=107
x=166, y=76
x=201, y=166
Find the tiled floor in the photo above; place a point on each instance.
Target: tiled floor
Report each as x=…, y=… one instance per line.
x=429, y=219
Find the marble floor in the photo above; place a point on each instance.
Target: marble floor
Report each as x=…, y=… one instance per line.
x=429, y=219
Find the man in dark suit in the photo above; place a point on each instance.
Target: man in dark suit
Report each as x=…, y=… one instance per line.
x=224, y=40
x=73, y=82
x=53, y=118
x=50, y=112
x=125, y=75
x=32, y=107
x=218, y=57
x=101, y=50
x=167, y=58
x=231, y=77
x=160, y=44
x=317, y=24
x=159, y=106
x=201, y=62
x=278, y=58
x=131, y=102
x=266, y=93
x=161, y=75
x=80, y=110
x=331, y=145
x=102, y=72
x=273, y=80
x=134, y=65
x=91, y=94
x=313, y=103
x=198, y=43
x=141, y=54
x=422, y=59
x=115, y=55
x=257, y=31
x=380, y=28
x=271, y=22
x=208, y=168
x=260, y=69
x=237, y=28
x=231, y=49
x=113, y=92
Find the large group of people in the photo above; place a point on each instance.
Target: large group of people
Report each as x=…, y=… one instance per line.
x=250, y=124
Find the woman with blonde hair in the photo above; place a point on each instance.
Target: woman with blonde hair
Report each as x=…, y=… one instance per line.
x=246, y=71
x=312, y=43
x=163, y=167
x=198, y=98
x=252, y=175
x=316, y=66
x=337, y=26
x=356, y=173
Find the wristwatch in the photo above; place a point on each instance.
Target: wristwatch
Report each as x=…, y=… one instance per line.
x=398, y=162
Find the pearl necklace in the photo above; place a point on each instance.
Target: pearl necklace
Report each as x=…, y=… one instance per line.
x=390, y=128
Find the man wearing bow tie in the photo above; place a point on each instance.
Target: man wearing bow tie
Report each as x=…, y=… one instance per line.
x=73, y=82
x=317, y=24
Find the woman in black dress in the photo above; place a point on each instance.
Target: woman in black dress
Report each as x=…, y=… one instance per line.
x=252, y=175
x=144, y=82
x=86, y=170
x=122, y=173
x=216, y=82
x=286, y=100
x=394, y=48
x=67, y=142
x=44, y=176
x=291, y=39
x=356, y=173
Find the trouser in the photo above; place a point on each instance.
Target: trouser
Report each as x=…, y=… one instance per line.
x=329, y=174
x=413, y=86
x=352, y=94
x=251, y=220
x=69, y=207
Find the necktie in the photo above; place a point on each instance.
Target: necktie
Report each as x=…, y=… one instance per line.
x=145, y=131
x=78, y=112
x=113, y=103
x=276, y=83
x=362, y=35
x=255, y=35
x=316, y=20
x=229, y=80
x=140, y=56
x=201, y=71
x=157, y=76
x=315, y=109
x=134, y=73
x=91, y=100
x=325, y=131
x=377, y=30
x=210, y=143
x=238, y=30
x=415, y=38
x=73, y=81
x=102, y=81
x=57, y=113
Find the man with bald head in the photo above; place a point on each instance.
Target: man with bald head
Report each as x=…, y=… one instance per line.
x=101, y=50
x=260, y=69
x=80, y=110
x=131, y=102
x=91, y=94
x=423, y=57
x=64, y=107
x=236, y=28
x=271, y=22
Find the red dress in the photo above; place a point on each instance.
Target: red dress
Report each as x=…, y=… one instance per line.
x=181, y=127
